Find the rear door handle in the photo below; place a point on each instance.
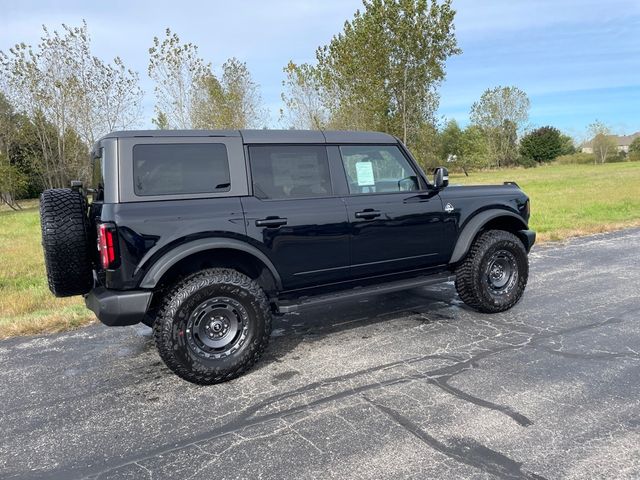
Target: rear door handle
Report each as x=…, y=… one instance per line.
x=368, y=214
x=271, y=222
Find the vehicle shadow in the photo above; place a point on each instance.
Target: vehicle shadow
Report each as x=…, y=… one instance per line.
x=314, y=324
x=320, y=323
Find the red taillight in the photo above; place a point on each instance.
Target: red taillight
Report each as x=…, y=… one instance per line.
x=106, y=245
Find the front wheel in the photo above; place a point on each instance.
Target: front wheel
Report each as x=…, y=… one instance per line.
x=494, y=274
x=213, y=326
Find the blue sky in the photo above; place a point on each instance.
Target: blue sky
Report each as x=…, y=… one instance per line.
x=579, y=60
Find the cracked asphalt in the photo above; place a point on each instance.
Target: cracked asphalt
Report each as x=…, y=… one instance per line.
x=407, y=385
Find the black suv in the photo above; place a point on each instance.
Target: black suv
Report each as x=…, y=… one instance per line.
x=204, y=235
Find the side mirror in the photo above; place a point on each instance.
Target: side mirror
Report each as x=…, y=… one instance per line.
x=440, y=177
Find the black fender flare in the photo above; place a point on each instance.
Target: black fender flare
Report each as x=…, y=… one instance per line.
x=473, y=226
x=169, y=259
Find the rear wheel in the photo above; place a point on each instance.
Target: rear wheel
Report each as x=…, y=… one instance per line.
x=213, y=326
x=494, y=274
x=65, y=241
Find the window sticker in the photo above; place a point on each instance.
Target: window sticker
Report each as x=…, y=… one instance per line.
x=364, y=174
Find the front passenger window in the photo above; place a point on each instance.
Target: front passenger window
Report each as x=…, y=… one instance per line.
x=378, y=169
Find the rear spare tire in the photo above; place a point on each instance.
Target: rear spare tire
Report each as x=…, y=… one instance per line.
x=65, y=241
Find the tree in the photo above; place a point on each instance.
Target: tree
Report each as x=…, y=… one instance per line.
x=465, y=149
x=634, y=150
x=178, y=73
x=474, y=149
x=70, y=97
x=12, y=182
x=303, y=98
x=381, y=72
x=161, y=121
x=568, y=145
x=451, y=141
x=501, y=112
x=232, y=102
x=542, y=144
x=426, y=148
x=602, y=141
x=189, y=95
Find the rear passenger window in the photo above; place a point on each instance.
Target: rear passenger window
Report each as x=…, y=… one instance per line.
x=180, y=168
x=288, y=171
x=377, y=169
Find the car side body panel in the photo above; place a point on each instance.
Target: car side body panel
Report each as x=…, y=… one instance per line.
x=147, y=231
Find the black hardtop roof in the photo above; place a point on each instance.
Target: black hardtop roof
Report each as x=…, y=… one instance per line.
x=267, y=136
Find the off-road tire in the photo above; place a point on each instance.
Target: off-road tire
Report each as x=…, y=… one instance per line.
x=473, y=281
x=180, y=304
x=66, y=242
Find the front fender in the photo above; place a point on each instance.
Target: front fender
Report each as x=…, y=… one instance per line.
x=473, y=226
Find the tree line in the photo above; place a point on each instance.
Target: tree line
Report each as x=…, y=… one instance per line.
x=381, y=72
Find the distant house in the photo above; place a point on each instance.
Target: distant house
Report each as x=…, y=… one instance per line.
x=622, y=143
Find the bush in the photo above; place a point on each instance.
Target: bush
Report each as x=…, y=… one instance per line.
x=617, y=157
x=526, y=162
x=542, y=145
x=576, y=158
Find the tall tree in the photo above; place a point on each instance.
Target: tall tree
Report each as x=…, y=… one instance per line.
x=178, y=73
x=233, y=101
x=501, y=112
x=451, y=141
x=475, y=151
x=542, y=144
x=303, y=98
x=602, y=142
x=69, y=95
x=382, y=71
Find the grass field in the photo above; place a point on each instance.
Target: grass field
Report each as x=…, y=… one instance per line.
x=26, y=305
x=573, y=200
x=566, y=200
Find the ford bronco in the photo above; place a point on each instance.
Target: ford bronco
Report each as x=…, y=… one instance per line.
x=204, y=235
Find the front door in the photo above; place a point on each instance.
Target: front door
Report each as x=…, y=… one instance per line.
x=396, y=223
x=294, y=216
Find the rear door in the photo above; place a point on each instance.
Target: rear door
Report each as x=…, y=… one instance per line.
x=294, y=216
x=396, y=222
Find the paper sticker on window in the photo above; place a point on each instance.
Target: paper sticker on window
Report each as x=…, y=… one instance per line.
x=364, y=173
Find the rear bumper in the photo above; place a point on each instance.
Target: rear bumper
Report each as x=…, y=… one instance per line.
x=115, y=308
x=528, y=237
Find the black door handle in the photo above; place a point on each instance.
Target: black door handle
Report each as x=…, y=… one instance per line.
x=271, y=222
x=368, y=214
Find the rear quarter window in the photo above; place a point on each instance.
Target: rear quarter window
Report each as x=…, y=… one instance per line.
x=180, y=168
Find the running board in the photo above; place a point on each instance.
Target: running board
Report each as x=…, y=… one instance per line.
x=290, y=306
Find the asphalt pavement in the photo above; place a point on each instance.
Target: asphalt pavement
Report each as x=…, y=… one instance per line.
x=406, y=385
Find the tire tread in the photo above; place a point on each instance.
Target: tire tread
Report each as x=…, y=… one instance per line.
x=163, y=326
x=467, y=281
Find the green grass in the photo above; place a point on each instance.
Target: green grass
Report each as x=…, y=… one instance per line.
x=572, y=200
x=566, y=200
x=26, y=305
